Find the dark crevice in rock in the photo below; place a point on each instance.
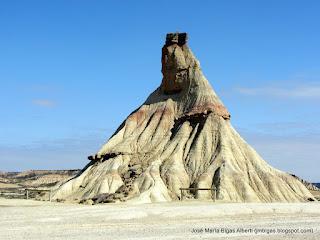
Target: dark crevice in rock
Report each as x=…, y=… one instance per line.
x=103, y=198
x=104, y=157
x=195, y=119
x=207, y=164
x=147, y=125
x=110, y=155
x=216, y=181
x=159, y=123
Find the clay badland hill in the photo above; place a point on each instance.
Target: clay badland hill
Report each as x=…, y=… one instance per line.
x=180, y=137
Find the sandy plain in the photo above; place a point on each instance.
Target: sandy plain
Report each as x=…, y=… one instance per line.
x=29, y=219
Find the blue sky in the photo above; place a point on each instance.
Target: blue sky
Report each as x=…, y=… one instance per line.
x=71, y=71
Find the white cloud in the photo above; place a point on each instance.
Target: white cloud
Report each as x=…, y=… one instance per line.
x=43, y=103
x=306, y=91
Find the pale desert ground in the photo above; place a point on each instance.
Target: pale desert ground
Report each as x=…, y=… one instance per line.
x=29, y=219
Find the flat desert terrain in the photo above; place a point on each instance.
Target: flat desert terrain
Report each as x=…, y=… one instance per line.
x=29, y=219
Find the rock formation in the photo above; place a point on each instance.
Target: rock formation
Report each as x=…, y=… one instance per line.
x=180, y=137
x=309, y=186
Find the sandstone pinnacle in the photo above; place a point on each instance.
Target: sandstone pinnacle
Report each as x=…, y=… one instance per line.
x=180, y=137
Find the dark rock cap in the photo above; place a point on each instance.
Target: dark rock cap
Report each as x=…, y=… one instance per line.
x=176, y=38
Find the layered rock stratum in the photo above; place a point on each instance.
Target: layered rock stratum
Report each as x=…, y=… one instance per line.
x=181, y=137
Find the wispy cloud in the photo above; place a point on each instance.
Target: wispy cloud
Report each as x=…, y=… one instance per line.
x=293, y=154
x=306, y=91
x=43, y=103
x=307, y=127
x=68, y=152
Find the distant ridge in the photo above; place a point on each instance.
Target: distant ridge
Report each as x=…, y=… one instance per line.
x=35, y=178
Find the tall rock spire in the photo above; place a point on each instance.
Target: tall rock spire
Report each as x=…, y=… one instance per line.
x=180, y=137
x=174, y=65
